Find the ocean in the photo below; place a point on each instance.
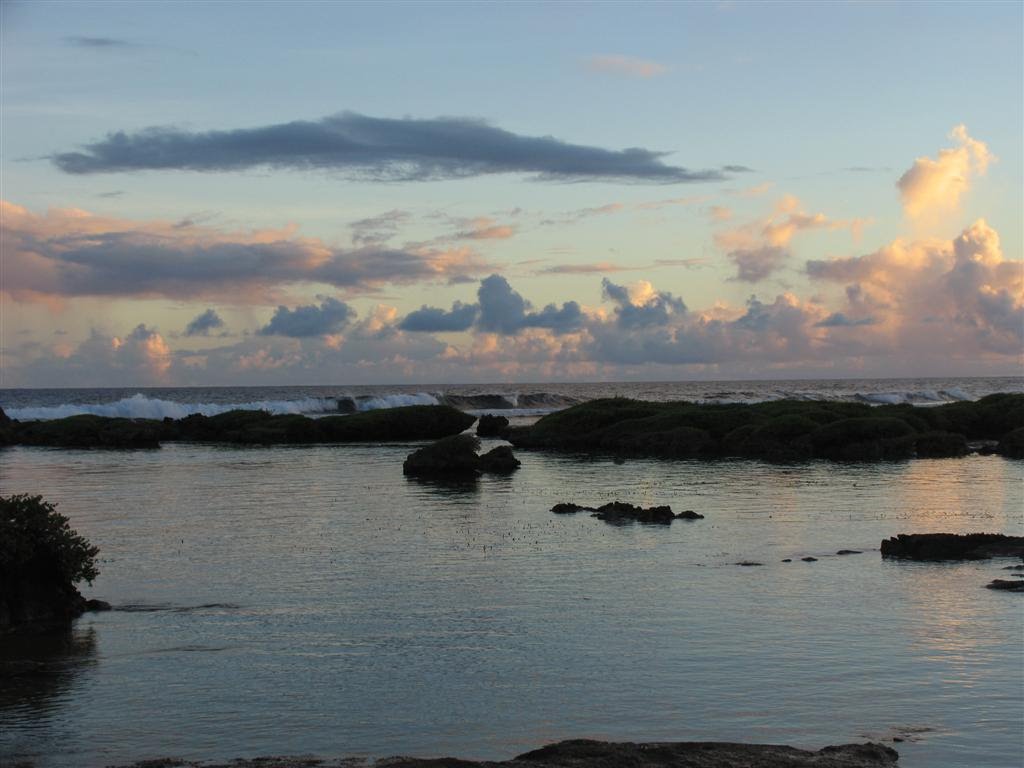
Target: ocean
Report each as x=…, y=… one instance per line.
x=313, y=600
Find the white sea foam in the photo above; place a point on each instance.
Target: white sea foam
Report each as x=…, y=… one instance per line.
x=141, y=407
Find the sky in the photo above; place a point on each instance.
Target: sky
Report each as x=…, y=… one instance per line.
x=347, y=193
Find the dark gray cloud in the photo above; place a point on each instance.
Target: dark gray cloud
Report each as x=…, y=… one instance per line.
x=373, y=148
x=68, y=262
x=756, y=264
x=103, y=43
x=658, y=309
x=310, y=320
x=435, y=320
x=500, y=309
x=202, y=324
x=839, y=320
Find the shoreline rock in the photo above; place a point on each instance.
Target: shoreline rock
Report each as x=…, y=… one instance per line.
x=456, y=456
x=581, y=753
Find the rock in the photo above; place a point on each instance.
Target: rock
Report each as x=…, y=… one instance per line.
x=1011, y=445
x=788, y=560
x=689, y=514
x=751, y=563
x=952, y=546
x=809, y=559
x=491, y=426
x=448, y=457
x=97, y=605
x=1009, y=586
x=566, y=508
x=938, y=445
x=581, y=753
x=848, y=552
x=499, y=460
x=621, y=512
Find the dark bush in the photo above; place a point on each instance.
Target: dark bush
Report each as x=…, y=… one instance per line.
x=41, y=559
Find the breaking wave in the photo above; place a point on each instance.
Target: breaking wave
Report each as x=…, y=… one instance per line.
x=142, y=407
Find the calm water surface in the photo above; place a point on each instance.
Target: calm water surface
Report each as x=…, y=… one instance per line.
x=312, y=600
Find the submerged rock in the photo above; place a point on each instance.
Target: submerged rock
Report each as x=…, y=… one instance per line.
x=1009, y=586
x=952, y=546
x=581, y=753
x=849, y=552
x=809, y=559
x=621, y=512
x=753, y=563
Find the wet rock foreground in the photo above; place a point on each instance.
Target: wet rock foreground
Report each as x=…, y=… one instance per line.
x=600, y=754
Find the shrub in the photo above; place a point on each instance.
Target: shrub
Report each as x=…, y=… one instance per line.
x=34, y=537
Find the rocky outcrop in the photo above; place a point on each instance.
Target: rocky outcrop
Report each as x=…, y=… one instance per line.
x=600, y=754
x=456, y=456
x=783, y=430
x=414, y=422
x=620, y=512
x=952, y=546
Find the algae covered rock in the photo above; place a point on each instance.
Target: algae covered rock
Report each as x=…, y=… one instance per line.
x=87, y=431
x=1012, y=445
x=491, y=426
x=499, y=461
x=952, y=546
x=450, y=456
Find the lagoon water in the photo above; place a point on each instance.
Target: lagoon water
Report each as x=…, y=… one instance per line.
x=312, y=600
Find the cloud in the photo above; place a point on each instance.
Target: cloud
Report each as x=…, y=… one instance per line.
x=755, y=264
x=933, y=187
x=69, y=252
x=483, y=228
x=378, y=229
x=962, y=296
x=330, y=317
x=202, y=324
x=839, y=320
x=375, y=149
x=758, y=247
x=500, y=310
x=626, y=65
x=639, y=305
x=100, y=43
x=434, y=320
x=605, y=267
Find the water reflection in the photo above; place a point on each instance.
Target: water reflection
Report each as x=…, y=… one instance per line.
x=38, y=671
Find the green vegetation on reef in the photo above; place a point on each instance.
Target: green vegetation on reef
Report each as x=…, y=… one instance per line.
x=782, y=430
x=41, y=559
x=414, y=422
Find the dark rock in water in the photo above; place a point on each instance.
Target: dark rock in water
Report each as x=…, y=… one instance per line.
x=809, y=559
x=499, y=460
x=566, y=508
x=689, y=514
x=1009, y=586
x=456, y=456
x=952, y=546
x=752, y=563
x=41, y=559
x=582, y=753
x=848, y=552
x=1011, y=445
x=788, y=560
x=619, y=512
x=414, y=422
x=491, y=426
x=97, y=605
x=939, y=445
x=449, y=456
x=87, y=431
x=4, y=418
